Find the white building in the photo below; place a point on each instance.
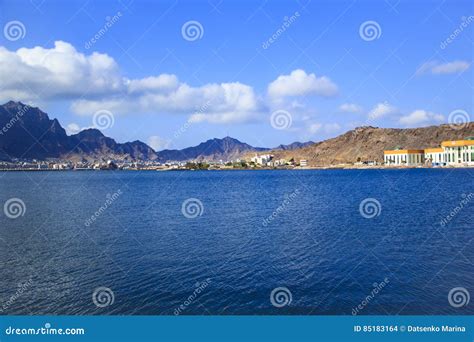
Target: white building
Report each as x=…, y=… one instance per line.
x=451, y=152
x=459, y=152
x=404, y=157
x=262, y=160
x=435, y=156
x=303, y=162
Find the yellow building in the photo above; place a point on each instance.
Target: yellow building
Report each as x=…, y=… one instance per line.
x=435, y=156
x=404, y=157
x=459, y=152
x=452, y=152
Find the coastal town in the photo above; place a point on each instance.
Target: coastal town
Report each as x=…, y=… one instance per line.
x=452, y=153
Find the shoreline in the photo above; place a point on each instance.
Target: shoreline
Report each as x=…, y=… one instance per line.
x=330, y=167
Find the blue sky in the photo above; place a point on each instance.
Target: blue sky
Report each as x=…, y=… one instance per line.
x=320, y=75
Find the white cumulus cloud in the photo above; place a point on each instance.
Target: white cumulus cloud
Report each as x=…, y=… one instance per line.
x=94, y=82
x=420, y=117
x=299, y=83
x=158, y=143
x=59, y=72
x=73, y=128
x=381, y=110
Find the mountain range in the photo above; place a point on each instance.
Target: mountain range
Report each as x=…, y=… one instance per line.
x=368, y=143
x=28, y=133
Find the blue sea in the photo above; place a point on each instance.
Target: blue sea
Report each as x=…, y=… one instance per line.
x=307, y=242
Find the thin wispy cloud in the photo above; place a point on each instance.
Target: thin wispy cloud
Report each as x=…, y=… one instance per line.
x=350, y=108
x=438, y=68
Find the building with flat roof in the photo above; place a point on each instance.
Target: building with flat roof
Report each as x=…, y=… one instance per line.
x=459, y=152
x=262, y=159
x=404, y=157
x=435, y=156
x=451, y=152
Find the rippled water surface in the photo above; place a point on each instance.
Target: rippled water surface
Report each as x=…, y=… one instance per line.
x=255, y=231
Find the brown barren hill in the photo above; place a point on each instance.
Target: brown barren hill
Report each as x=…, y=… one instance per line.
x=368, y=143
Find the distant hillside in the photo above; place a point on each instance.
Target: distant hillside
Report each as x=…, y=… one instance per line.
x=213, y=149
x=225, y=149
x=294, y=146
x=28, y=133
x=368, y=143
x=92, y=144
